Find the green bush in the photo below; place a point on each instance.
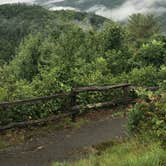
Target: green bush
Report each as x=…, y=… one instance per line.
x=152, y=53
x=149, y=118
x=145, y=76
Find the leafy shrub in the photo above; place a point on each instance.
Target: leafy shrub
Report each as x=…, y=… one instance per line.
x=146, y=76
x=149, y=117
x=153, y=53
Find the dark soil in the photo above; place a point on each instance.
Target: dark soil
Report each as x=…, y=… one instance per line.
x=63, y=145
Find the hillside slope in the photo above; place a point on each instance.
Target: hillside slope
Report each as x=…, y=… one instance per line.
x=17, y=21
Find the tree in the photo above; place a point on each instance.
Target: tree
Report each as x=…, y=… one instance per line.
x=25, y=64
x=142, y=27
x=152, y=53
x=111, y=37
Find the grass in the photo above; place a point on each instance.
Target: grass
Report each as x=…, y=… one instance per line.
x=130, y=153
x=3, y=144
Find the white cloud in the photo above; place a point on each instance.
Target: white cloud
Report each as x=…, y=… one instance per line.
x=15, y=1
x=28, y=1
x=53, y=1
x=63, y=8
x=127, y=8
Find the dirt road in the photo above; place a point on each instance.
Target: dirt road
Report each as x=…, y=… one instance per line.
x=59, y=146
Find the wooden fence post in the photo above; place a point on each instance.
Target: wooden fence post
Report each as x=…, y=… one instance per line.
x=73, y=102
x=4, y=108
x=126, y=92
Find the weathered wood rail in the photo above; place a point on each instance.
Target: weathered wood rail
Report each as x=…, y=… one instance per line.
x=73, y=108
x=32, y=101
x=76, y=91
x=100, y=88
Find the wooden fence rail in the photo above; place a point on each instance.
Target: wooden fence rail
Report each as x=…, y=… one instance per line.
x=34, y=100
x=73, y=108
x=76, y=91
x=72, y=94
x=100, y=88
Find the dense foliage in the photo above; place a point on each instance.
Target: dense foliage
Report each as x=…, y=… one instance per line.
x=149, y=116
x=43, y=52
x=17, y=21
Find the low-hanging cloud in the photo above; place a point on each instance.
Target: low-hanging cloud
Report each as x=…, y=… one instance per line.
x=52, y=1
x=28, y=1
x=48, y=2
x=63, y=8
x=16, y=1
x=128, y=8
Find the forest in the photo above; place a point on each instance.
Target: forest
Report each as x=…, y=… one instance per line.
x=44, y=52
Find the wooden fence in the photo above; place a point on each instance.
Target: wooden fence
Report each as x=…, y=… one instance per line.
x=73, y=109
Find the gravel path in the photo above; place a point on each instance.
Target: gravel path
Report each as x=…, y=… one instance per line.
x=60, y=145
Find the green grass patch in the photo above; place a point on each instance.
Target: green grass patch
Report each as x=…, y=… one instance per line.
x=3, y=144
x=132, y=153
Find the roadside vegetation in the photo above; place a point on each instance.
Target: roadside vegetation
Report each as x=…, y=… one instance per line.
x=131, y=153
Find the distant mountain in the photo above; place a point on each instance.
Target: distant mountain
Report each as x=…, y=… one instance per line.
x=113, y=9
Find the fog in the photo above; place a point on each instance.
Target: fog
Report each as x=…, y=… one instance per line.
x=126, y=8
x=15, y=1
x=130, y=7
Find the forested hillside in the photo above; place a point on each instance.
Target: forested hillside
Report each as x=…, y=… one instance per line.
x=17, y=21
